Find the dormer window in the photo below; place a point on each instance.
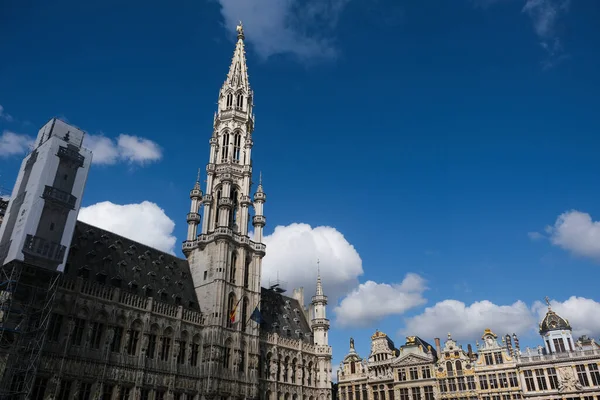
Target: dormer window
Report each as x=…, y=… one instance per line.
x=101, y=278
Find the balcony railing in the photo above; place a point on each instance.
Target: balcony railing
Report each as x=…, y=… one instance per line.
x=40, y=247
x=70, y=154
x=58, y=196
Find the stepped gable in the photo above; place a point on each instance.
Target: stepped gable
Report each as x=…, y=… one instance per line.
x=108, y=259
x=280, y=312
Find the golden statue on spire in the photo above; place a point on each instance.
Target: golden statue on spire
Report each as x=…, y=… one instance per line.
x=240, y=30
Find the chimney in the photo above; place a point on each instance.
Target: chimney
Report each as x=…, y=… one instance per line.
x=298, y=294
x=438, y=346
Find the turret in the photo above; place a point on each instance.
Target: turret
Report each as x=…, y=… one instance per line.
x=556, y=332
x=259, y=220
x=193, y=217
x=319, y=322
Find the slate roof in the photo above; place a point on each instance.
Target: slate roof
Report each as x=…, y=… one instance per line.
x=107, y=258
x=283, y=315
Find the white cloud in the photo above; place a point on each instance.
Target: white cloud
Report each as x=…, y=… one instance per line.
x=545, y=15
x=535, y=235
x=372, y=301
x=144, y=222
x=13, y=143
x=292, y=254
x=468, y=322
x=302, y=28
x=579, y=311
x=126, y=148
x=4, y=115
x=575, y=232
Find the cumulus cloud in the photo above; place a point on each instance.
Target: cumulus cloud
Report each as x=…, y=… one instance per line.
x=467, y=322
x=14, y=144
x=4, y=115
x=292, y=254
x=126, y=148
x=143, y=222
x=303, y=28
x=372, y=301
x=576, y=232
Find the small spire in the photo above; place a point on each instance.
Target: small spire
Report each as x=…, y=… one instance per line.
x=319, y=284
x=197, y=184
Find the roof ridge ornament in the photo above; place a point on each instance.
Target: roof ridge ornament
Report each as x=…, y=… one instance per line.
x=547, y=299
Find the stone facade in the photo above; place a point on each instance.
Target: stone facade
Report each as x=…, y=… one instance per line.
x=496, y=370
x=132, y=322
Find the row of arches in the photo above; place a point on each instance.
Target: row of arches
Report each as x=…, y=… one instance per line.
x=233, y=305
x=268, y=395
x=102, y=333
x=239, y=103
x=287, y=370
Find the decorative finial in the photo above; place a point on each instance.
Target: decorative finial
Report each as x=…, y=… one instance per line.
x=260, y=178
x=352, y=343
x=240, y=30
x=198, y=177
x=547, y=301
x=318, y=267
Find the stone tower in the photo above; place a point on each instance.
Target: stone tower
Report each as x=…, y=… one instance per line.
x=225, y=263
x=320, y=328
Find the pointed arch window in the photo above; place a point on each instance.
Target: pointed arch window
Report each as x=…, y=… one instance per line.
x=225, y=147
x=230, y=309
x=232, y=268
x=229, y=101
x=217, y=208
x=234, y=210
x=237, y=145
x=240, y=100
x=247, y=272
x=245, y=305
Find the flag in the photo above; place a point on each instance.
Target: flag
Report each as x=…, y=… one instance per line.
x=232, y=312
x=256, y=316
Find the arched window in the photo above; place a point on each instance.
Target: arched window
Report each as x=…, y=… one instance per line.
x=232, y=268
x=352, y=367
x=449, y=366
x=234, y=210
x=245, y=306
x=230, y=309
x=240, y=100
x=218, y=196
x=458, y=366
x=229, y=103
x=247, y=272
x=237, y=144
x=225, y=147
x=227, y=354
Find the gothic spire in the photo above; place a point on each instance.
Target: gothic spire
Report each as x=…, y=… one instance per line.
x=319, y=284
x=238, y=71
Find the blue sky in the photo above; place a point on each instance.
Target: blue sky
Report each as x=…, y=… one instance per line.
x=437, y=139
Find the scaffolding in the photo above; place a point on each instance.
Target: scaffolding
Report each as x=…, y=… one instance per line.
x=26, y=298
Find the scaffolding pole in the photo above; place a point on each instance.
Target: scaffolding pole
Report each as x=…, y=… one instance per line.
x=27, y=295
